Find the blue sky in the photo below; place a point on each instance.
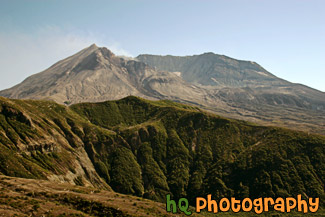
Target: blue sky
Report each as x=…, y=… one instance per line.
x=287, y=37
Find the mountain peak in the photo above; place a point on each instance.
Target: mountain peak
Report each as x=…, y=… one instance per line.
x=106, y=52
x=93, y=46
x=207, y=53
x=95, y=49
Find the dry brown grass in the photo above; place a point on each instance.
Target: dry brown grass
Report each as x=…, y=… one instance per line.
x=30, y=197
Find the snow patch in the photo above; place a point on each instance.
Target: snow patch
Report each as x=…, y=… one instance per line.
x=215, y=80
x=262, y=73
x=179, y=74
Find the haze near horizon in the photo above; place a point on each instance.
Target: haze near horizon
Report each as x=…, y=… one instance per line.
x=286, y=38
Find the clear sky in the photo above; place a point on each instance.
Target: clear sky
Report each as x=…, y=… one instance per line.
x=287, y=37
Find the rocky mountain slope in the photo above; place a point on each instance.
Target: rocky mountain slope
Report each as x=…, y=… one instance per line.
x=250, y=92
x=214, y=70
x=96, y=74
x=152, y=148
x=229, y=87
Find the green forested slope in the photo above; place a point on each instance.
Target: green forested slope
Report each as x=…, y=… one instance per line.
x=150, y=149
x=190, y=153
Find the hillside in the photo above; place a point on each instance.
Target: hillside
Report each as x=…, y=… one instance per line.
x=152, y=148
x=228, y=87
x=28, y=197
x=31, y=197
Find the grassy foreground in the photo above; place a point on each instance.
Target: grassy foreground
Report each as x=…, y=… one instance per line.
x=30, y=197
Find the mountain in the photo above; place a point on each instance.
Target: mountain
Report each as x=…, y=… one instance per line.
x=210, y=69
x=96, y=74
x=152, y=148
x=250, y=92
x=229, y=87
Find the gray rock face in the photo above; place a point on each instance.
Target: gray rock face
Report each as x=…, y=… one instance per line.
x=230, y=87
x=247, y=90
x=212, y=69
